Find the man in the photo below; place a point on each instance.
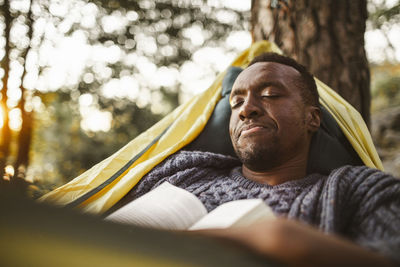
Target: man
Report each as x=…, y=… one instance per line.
x=350, y=217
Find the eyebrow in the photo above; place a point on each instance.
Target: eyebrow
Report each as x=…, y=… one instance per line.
x=237, y=92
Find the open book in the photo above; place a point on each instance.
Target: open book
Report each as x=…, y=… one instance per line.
x=170, y=207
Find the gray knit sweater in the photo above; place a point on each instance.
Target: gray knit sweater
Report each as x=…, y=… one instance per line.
x=358, y=203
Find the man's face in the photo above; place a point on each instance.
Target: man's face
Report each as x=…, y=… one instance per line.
x=270, y=123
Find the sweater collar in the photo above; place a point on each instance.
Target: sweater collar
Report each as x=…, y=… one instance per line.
x=237, y=176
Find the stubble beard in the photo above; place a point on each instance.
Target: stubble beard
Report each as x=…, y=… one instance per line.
x=259, y=157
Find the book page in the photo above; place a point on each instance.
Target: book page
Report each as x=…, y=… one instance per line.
x=166, y=207
x=235, y=213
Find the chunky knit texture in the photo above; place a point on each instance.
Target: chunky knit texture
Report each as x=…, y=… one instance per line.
x=359, y=203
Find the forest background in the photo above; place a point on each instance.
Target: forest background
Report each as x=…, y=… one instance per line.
x=80, y=78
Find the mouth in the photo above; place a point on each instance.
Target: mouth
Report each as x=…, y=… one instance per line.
x=253, y=129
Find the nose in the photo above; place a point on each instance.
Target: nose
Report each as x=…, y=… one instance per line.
x=249, y=109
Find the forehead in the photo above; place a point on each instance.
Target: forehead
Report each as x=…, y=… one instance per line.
x=265, y=72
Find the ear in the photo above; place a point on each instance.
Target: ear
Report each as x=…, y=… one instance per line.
x=313, y=118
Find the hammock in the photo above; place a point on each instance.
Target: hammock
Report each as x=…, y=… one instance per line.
x=102, y=186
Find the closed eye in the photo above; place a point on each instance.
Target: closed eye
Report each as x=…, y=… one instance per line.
x=271, y=96
x=236, y=104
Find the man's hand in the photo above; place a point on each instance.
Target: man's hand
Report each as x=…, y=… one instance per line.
x=297, y=244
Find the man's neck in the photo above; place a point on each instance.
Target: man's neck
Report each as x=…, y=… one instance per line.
x=293, y=169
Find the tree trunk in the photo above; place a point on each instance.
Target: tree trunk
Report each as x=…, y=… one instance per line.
x=25, y=134
x=325, y=36
x=5, y=131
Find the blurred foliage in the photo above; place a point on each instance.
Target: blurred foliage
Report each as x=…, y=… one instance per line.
x=381, y=15
x=384, y=15
x=167, y=22
x=386, y=114
x=385, y=86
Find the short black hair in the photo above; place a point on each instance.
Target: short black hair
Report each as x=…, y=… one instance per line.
x=309, y=90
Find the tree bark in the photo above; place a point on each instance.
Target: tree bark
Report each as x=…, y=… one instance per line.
x=5, y=131
x=325, y=36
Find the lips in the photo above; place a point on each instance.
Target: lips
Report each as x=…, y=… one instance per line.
x=253, y=128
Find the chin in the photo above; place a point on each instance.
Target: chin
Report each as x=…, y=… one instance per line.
x=258, y=157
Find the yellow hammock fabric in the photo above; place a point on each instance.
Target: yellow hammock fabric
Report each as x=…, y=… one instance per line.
x=188, y=120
